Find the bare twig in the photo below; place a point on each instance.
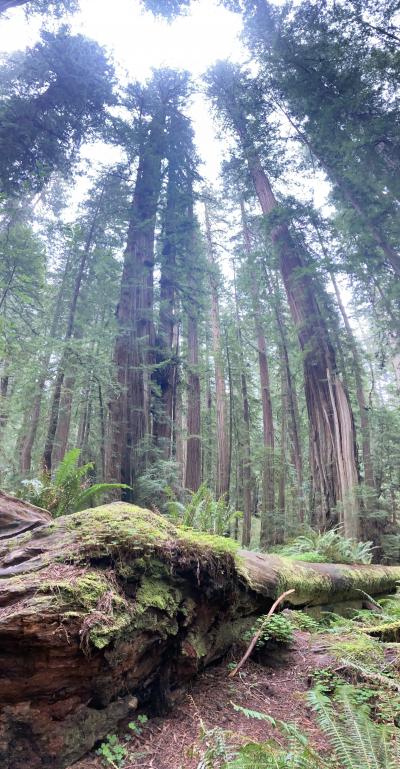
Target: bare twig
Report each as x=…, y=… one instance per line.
x=255, y=638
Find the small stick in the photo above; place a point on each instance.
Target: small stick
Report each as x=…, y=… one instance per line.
x=255, y=638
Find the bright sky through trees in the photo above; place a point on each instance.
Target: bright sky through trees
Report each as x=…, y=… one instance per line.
x=139, y=41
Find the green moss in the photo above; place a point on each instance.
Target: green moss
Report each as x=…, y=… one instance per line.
x=93, y=599
x=386, y=631
x=198, y=644
x=310, y=557
x=358, y=647
x=211, y=542
x=117, y=525
x=156, y=607
x=309, y=585
x=83, y=592
x=102, y=633
x=155, y=594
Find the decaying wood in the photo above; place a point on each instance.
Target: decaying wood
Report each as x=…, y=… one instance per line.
x=17, y=516
x=115, y=605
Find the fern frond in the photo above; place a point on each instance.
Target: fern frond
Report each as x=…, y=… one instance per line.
x=254, y=714
x=361, y=735
x=67, y=465
x=98, y=488
x=328, y=722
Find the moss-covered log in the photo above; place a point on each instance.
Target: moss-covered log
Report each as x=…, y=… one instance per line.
x=115, y=605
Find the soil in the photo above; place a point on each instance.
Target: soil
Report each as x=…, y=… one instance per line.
x=276, y=685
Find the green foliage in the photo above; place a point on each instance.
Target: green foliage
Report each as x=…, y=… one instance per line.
x=155, y=487
x=137, y=725
x=205, y=513
x=357, y=647
x=359, y=743
x=69, y=490
x=270, y=755
x=112, y=752
x=277, y=628
x=303, y=621
x=329, y=546
x=217, y=749
x=53, y=96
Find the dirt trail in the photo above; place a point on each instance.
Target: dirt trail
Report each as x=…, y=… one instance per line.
x=276, y=687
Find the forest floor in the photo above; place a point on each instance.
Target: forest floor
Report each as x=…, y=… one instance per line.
x=277, y=687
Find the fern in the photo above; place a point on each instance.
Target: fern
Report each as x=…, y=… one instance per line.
x=254, y=714
x=359, y=743
x=68, y=468
x=68, y=491
x=93, y=491
x=330, y=546
x=205, y=513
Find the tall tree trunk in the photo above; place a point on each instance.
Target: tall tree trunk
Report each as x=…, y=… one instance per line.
x=63, y=419
x=333, y=453
x=280, y=528
x=222, y=482
x=193, y=453
x=361, y=400
x=292, y=401
x=65, y=358
x=358, y=377
x=193, y=442
x=4, y=387
x=166, y=359
x=230, y=382
x=179, y=429
x=102, y=418
x=128, y=417
x=268, y=496
x=34, y=419
x=246, y=444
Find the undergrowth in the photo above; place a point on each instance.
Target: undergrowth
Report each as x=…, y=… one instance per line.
x=328, y=546
x=355, y=702
x=69, y=489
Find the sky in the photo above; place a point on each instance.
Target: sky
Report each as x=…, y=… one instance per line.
x=138, y=41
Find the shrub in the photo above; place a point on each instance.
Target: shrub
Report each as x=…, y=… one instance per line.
x=69, y=490
x=329, y=546
x=276, y=628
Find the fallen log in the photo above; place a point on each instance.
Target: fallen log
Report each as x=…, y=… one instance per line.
x=17, y=516
x=115, y=605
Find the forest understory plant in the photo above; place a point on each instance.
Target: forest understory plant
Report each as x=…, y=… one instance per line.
x=328, y=546
x=70, y=488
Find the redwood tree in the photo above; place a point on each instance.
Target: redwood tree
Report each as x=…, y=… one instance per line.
x=332, y=440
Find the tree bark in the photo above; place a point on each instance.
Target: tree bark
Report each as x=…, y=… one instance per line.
x=246, y=442
x=4, y=388
x=65, y=358
x=280, y=527
x=166, y=343
x=292, y=401
x=222, y=481
x=333, y=455
x=268, y=484
x=128, y=409
x=193, y=441
x=102, y=634
x=33, y=423
x=361, y=400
